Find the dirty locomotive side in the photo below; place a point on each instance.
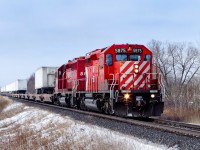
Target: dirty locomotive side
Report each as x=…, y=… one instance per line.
x=119, y=79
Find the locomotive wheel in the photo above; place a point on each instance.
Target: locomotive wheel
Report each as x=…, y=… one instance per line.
x=78, y=101
x=82, y=104
x=107, y=108
x=34, y=99
x=56, y=101
x=68, y=102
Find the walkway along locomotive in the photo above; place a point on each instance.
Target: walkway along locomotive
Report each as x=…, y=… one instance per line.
x=119, y=79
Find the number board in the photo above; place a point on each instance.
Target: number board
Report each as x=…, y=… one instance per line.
x=137, y=50
x=123, y=50
x=120, y=50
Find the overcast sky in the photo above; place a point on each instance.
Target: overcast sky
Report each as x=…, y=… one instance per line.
x=36, y=33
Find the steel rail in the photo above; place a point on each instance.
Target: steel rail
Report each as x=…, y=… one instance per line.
x=177, y=124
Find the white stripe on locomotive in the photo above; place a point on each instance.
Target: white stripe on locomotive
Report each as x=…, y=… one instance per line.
x=126, y=73
x=141, y=76
x=124, y=65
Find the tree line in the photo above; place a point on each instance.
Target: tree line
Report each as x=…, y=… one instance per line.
x=179, y=64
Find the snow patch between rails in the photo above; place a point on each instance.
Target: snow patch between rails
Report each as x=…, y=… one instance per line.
x=59, y=129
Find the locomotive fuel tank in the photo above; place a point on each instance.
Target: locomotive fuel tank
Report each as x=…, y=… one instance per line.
x=93, y=104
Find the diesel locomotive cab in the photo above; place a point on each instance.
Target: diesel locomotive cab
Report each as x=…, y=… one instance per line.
x=136, y=82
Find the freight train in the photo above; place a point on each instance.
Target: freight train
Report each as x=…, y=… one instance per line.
x=120, y=79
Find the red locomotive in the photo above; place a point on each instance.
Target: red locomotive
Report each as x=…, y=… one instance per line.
x=119, y=79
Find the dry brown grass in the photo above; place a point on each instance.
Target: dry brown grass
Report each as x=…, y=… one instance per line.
x=12, y=112
x=4, y=101
x=183, y=115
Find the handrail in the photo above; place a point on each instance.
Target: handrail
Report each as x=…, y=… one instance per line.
x=111, y=84
x=63, y=82
x=163, y=87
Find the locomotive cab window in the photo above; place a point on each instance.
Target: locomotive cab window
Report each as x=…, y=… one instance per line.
x=121, y=57
x=109, y=60
x=134, y=57
x=147, y=57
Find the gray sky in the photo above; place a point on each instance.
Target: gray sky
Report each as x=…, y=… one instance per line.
x=36, y=33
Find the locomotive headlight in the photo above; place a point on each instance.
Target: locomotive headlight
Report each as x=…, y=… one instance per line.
x=136, y=66
x=126, y=96
x=136, y=70
x=152, y=95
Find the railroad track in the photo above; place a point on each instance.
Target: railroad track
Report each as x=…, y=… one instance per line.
x=175, y=127
x=176, y=124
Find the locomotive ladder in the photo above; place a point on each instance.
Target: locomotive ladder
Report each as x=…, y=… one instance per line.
x=112, y=86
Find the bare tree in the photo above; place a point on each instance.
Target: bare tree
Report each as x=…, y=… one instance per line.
x=31, y=84
x=161, y=58
x=179, y=63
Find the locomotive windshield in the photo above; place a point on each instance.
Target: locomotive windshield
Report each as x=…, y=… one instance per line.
x=135, y=57
x=121, y=57
x=125, y=57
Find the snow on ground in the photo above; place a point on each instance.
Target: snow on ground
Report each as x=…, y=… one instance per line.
x=12, y=106
x=46, y=130
x=195, y=123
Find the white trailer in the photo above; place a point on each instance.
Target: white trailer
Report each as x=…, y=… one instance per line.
x=45, y=79
x=19, y=85
x=3, y=89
